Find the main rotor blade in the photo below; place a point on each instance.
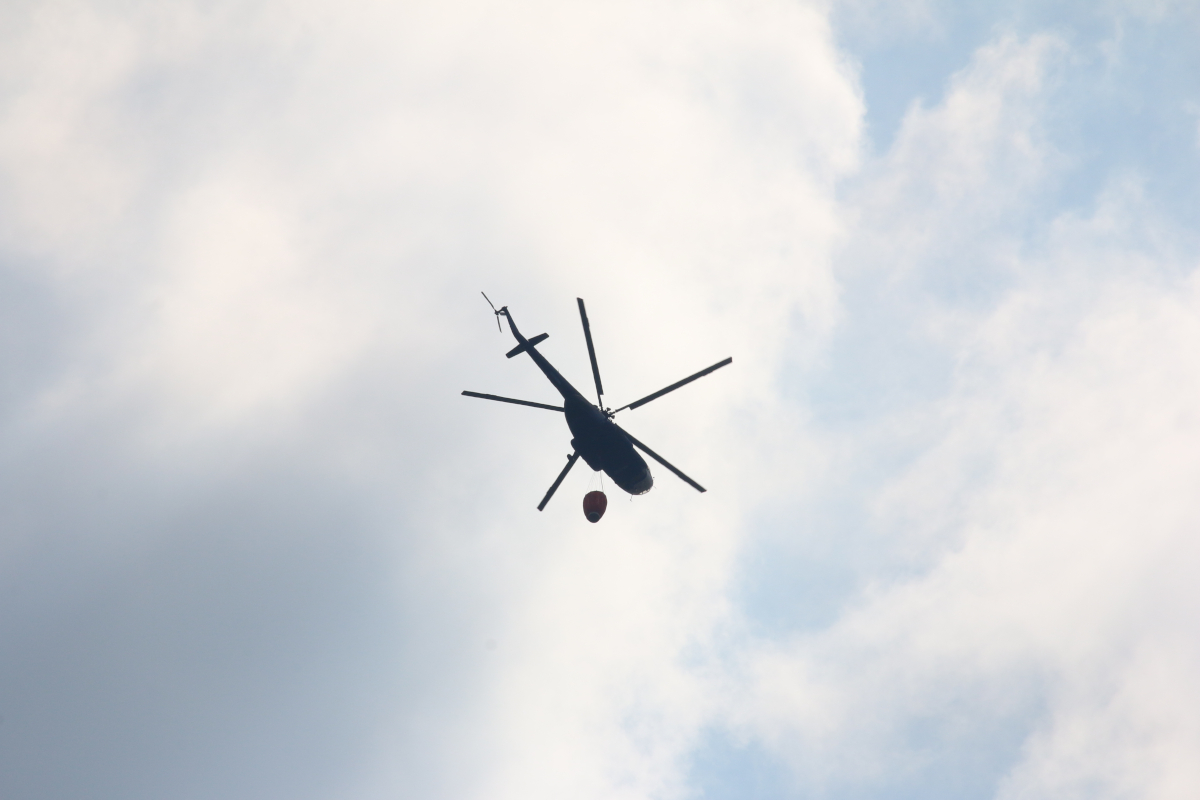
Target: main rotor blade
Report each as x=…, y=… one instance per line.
x=571, y=459
x=515, y=402
x=587, y=333
x=675, y=386
x=661, y=460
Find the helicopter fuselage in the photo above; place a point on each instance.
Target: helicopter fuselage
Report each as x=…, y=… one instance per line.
x=597, y=440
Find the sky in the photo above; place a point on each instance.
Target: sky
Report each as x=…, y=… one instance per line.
x=255, y=544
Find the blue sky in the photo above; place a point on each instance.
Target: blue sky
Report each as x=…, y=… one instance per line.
x=253, y=542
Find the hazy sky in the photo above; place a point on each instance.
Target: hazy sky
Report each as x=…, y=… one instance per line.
x=254, y=544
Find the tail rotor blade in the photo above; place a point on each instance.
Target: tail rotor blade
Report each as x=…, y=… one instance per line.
x=571, y=459
x=494, y=311
x=675, y=386
x=662, y=461
x=587, y=333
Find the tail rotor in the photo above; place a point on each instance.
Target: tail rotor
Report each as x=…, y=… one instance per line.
x=497, y=313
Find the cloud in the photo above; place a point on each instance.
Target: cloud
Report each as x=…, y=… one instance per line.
x=255, y=544
x=1029, y=616
x=256, y=539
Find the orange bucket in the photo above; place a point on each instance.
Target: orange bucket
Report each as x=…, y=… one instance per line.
x=594, y=504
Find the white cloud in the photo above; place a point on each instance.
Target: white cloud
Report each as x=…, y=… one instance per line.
x=1046, y=523
x=275, y=220
x=978, y=156
x=249, y=518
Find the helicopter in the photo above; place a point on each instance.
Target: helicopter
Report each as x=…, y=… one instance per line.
x=601, y=443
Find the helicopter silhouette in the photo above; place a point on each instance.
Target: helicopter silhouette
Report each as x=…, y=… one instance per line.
x=601, y=443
